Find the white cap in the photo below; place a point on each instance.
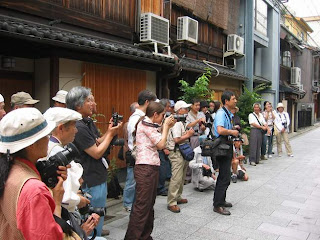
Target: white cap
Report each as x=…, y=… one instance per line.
x=60, y=96
x=1, y=98
x=181, y=104
x=61, y=115
x=21, y=128
x=280, y=105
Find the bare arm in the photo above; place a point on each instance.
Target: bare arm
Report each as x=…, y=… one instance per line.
x=225, y=132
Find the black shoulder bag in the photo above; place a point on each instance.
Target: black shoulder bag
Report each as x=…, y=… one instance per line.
x=262, y=131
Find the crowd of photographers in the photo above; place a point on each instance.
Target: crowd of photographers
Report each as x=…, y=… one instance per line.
x=54, y=166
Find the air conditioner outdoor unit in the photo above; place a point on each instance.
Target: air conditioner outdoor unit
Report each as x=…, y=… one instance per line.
x=295, y=76
x=230, y=63
x=235, y=44
x=300, y=87
x=154, y=28
x=187, y=29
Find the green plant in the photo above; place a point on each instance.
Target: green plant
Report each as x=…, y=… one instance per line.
x=245, y=103
x=112, y=170
x=200, y=89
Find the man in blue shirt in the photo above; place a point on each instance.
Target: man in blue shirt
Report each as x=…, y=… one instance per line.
x=222, y=129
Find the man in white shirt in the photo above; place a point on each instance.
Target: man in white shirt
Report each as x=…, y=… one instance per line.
x=281, y=130
x=144, y=98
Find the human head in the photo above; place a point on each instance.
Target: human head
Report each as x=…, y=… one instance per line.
x=256, y=107
x=166, y=103
x=65, y=120
x=146, y=96
x=155, y=111
x=229, y=99
x=22, y=100
x=2, y=111
x=217, y=106
x=195, y=105
x=60, y=98
x=133, y=107
x=237, y=142
x=94, y=104
x=181, y=107
x=211, y=106
x=78, y=99
x=22, y=128
x=234, y=110
x=265, y=105
x=204, y=106
x=280, y=107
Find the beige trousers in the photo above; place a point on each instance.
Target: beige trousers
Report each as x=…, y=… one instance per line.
x=178, y=170
x=283, y=136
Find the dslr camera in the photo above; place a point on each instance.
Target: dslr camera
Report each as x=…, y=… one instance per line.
x=48, y=168
x=206, y=172
x=88, y=210
x=178, y=117
x=116, y=118
x=284, y=124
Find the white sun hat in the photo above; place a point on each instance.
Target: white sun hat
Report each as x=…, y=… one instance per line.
x=60, y=96
x=181, y=104
x=21, y=128
x=1, y=98
x=61, y=115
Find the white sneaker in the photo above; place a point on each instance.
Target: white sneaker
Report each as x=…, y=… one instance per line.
x=290, y=155
x=127, y=209
x=270, y=156
x=279, y=155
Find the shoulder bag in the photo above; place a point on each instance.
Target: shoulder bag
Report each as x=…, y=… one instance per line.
x=262, y=131
x=185, y=150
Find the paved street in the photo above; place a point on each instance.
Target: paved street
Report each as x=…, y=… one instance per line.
x=280, y=201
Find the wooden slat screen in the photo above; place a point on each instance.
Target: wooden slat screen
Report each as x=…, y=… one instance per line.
x=154, y=6
x=113, y=88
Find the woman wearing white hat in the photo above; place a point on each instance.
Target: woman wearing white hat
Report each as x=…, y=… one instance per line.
x=281, y=130
x=2, y=111
x=28, y=209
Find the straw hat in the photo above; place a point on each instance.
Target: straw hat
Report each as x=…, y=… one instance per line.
x=21, y=128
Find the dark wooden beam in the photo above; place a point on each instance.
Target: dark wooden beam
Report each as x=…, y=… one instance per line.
x=54, y=75
x=77, y=18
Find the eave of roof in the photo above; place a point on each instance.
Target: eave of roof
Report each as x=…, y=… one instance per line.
x=194, y=65
x=56, y=36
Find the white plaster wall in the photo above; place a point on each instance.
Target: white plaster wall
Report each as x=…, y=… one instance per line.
x=42, y=83
x=151, y=81
x=70, y=73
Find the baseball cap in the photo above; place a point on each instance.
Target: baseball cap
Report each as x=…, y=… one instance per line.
x=181, y=104
x=61, y=115
x=60, y=96
x=21, y=128
x=171, y=103
x=1, y=98
x=23, y=98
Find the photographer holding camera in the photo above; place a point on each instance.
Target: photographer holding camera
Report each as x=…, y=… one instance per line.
x=223, y=129
x=28, y=209
x=92, y=148
x=281, y=130
x=202, y=171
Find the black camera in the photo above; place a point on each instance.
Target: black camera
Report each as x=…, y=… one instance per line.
x=48, y=168
x=206, y=172
x=88, y=210
x=178, y=117
x=284, y=124
x=116, y=118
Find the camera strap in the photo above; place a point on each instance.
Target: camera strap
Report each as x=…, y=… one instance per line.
x=228, y=115
x=150, y=124
x=257, y=119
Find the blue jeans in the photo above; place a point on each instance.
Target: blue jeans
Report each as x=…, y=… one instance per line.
x=99, y=199
x=266, y=140
x=162, y=172
x=130, y=188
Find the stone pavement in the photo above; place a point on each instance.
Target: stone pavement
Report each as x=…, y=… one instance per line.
x=280, y=201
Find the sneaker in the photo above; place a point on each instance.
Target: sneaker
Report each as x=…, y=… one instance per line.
x=105, y=232
x=127, y=209
x=290, y=155
x=234, y=178
x=279, y=155
x=253, y=164
x=270, y=156
x=263, y=157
